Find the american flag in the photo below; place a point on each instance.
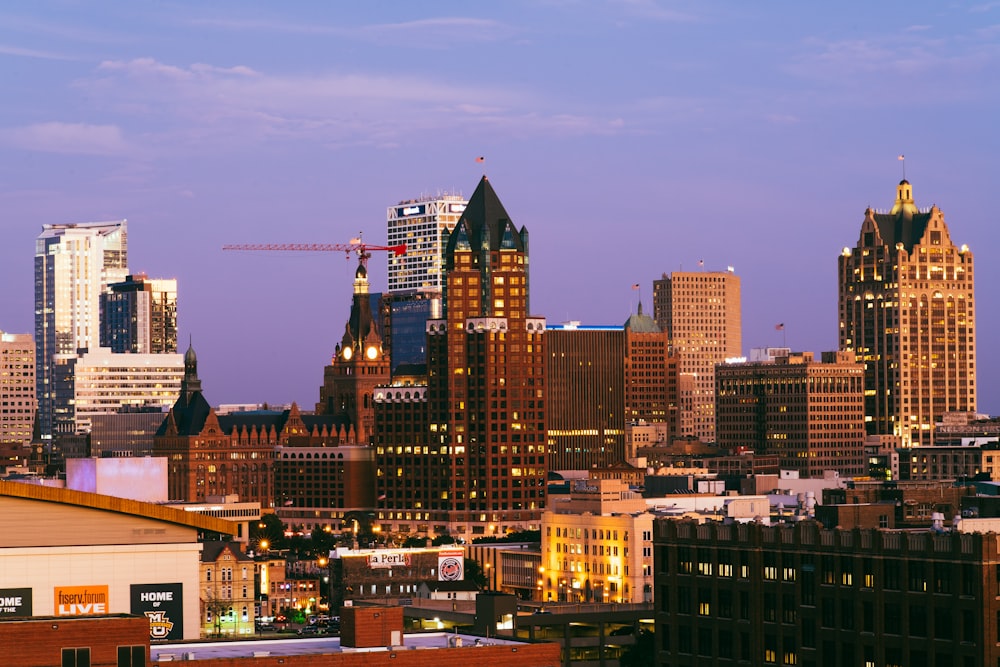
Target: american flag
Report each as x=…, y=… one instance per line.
x=779, y=327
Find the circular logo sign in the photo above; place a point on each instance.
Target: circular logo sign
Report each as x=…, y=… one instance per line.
x=451, y=569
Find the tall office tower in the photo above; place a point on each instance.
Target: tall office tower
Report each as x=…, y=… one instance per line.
x=700, y=311
x=809, y=413
x=74, y=264
x=476, y=462
x=907, y=311
x=423, y=225
x=416, y=279
x=359, y=365
x=17, y=397
x=140, y=315
x=600, y=379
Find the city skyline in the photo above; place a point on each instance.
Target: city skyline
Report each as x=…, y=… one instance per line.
x=632, y=139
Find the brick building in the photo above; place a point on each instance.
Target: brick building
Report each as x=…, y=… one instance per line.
x=810, y=413
x=466, y=453
x=799, y=594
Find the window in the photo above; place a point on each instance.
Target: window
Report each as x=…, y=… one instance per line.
x=76, y=657
x=131, y=656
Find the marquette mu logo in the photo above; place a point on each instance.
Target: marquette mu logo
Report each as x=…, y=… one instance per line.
x=159, y=624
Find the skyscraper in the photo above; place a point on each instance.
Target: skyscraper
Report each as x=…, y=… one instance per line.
x=74, y=264
x=468, y=450
x=140, y=316
x=416, y=279
x=17, y=397
x=907, y=311
x=423, y=225
x=700, y=311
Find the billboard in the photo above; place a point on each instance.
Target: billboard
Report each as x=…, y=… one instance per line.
x=388, y=558
x=163, y=605
x=451, y=565
x=15, y=602
x=81, y=600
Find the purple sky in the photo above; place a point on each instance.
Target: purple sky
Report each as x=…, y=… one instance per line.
x=632, y=138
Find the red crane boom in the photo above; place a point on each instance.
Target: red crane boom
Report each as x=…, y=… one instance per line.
x=363, y=250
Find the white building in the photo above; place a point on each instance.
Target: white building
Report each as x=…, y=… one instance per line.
x=422, y=225
x=74, y=264
x=101, y=382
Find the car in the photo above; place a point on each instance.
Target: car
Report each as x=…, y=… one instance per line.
x=267, y=627
x=310, y=630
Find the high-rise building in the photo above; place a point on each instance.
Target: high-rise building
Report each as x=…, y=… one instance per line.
x=467, y=451
x=423, y=225
x=140, y=316
x=74, y=264
x=17, y=397
x=416, y=278
x=809, y=413
x=700, y=311
x=601, y=379
x=907, y=311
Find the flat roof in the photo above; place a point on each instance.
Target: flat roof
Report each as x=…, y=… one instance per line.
x=293, y=645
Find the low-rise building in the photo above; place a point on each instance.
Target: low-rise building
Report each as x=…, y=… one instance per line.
x=799, y=594
x=596, y=545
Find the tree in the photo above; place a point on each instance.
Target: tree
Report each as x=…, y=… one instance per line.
x=269, y=528
x=640, y=654
x=475, y=574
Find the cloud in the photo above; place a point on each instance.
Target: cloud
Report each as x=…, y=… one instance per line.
x=68, y=138
x=438, y=32
x=203, y=105
x=9, y=50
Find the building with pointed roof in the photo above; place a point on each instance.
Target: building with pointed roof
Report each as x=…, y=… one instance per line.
x=907, y=310
x=359, y=364
x=203, y=458
x=466, y=453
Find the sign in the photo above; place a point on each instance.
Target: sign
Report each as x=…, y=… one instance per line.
x=451, y=565
x=15, y=602
x=407, y=211
x=163, y=605
x=386, y=559
x=81, y=600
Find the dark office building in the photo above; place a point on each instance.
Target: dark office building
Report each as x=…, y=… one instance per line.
x=128, y=432
x=798, y=594
x=139, y=315
x=601, y=379
x=405, y=316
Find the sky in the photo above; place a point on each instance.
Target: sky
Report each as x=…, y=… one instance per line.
x=632, y=138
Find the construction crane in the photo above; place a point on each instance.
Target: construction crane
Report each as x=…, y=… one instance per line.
x=356, y=245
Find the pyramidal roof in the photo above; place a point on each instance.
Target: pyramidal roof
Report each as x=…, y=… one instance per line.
x=485, y=224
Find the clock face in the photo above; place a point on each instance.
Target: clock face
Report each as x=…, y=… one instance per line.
x=372, y=352
x=347, y=352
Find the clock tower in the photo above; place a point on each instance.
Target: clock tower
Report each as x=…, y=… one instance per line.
x=358, y=365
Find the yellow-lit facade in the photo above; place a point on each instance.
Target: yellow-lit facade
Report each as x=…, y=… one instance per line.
x=596, y=546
